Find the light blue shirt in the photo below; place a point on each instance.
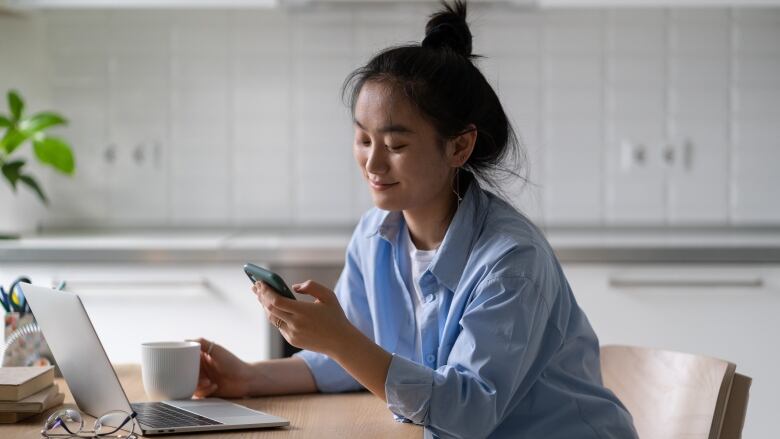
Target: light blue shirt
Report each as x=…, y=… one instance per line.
x=506, y=351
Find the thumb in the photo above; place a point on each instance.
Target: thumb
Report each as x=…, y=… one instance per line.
x=318, y=291
x=206, y=346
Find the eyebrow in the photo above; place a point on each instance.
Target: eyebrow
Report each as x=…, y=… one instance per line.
x=394, y=128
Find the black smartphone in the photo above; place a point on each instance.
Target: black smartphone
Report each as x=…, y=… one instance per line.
x=276, y=282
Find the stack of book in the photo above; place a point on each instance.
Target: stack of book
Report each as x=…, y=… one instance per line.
x=27, y=391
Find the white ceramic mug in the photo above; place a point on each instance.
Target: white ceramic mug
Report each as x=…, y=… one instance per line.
x=170, y=369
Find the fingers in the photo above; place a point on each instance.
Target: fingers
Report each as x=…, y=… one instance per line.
x=318, y=291
x=207, y=366
x=205, y=388
x=206, y=385
x=273, y=302
x=205, y=345
x=279, y=321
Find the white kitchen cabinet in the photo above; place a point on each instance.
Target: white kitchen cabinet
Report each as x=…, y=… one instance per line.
x=635, y=110
x=133, y=303
x=668, y=115
x=201, y=147
x=573, y=117
x=59, y=4
x=79, y=86
x=111, y=82
x=653, y=3
x=324, y=169
x=32, y=4
x=261, y=118
x=138, y=119
x=699, y=116
x=725, y=311
x=755, y=112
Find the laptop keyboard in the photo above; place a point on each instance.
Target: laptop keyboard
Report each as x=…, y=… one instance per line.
x=161, y=415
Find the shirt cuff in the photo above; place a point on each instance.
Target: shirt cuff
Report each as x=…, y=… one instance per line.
x=408, y=389
x=328, y=375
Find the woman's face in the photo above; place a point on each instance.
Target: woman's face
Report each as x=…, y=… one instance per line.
x=398, y=151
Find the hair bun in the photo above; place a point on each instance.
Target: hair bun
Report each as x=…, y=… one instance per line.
x=448, y=29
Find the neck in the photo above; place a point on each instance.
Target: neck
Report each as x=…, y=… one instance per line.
x=428, y=224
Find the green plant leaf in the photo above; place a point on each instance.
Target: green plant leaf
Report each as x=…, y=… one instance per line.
x=5, y=122
x=16, y=104
x=12, y=139
x=40, y=122
x=12, y=171
x=30, y=181
x=55, y=152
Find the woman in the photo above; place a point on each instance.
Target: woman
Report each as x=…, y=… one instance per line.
x=452, y=306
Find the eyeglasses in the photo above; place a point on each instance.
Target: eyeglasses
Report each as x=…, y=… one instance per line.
x=69, y=423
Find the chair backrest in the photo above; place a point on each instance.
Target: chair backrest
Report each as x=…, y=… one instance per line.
x=675, y=395
x=736, y=408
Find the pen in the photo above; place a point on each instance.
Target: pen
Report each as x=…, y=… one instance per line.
x=20, y=301
x=13, y=301
x=5, y=300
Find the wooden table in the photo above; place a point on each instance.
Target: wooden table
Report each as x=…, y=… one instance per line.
x=346, y=415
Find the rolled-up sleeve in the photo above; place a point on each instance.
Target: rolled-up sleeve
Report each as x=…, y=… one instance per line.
x=350, y=290
x=495, y=359
x=408, y=389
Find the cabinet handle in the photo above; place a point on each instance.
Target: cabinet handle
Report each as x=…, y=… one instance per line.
x=618, y=282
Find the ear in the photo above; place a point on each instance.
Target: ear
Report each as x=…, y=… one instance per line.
x=461, y=146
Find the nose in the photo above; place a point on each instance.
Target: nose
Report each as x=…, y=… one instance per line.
x=376, y=162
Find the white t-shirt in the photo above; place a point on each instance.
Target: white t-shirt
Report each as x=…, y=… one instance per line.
x=415, y=264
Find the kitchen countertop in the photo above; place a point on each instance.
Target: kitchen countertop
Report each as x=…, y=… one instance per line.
x=326, y=245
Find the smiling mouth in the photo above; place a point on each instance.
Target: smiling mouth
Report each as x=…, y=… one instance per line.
x=381, y=186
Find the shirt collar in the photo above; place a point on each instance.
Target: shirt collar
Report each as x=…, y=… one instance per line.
x=454, y=251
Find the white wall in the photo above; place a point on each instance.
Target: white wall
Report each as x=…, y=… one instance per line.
x=234, y=117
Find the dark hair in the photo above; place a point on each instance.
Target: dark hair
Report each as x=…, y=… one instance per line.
x=440, y=79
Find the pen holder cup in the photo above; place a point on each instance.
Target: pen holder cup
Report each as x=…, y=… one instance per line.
x=24, y=343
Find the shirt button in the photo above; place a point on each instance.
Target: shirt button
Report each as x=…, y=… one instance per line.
x=430, y=359
x=430, y=298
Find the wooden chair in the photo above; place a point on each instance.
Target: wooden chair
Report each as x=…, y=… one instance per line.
x=673, y=395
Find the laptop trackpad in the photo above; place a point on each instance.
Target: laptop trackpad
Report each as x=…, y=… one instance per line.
x=217, y=409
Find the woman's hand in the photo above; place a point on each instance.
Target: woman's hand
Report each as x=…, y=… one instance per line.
x=319, y=326
x=221, y=373
x=323, y=327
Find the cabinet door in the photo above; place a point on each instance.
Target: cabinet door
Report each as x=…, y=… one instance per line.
x=262, y=164
x=138, y=118
x=699, y=116
x=635, y=111
x=573, y=116
x=756, y=110
x=76, y=44
x=200, y=149
x=324, y=171
x=724, y=311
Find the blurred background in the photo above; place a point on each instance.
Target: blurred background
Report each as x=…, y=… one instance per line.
x=211, y=133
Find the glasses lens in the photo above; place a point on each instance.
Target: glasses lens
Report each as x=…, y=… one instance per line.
x=116, y=423
x=63, y=422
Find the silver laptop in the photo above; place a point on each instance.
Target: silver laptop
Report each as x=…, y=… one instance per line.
x=96, y=388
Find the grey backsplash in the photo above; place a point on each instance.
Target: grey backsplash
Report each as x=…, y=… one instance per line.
x=630, y=116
